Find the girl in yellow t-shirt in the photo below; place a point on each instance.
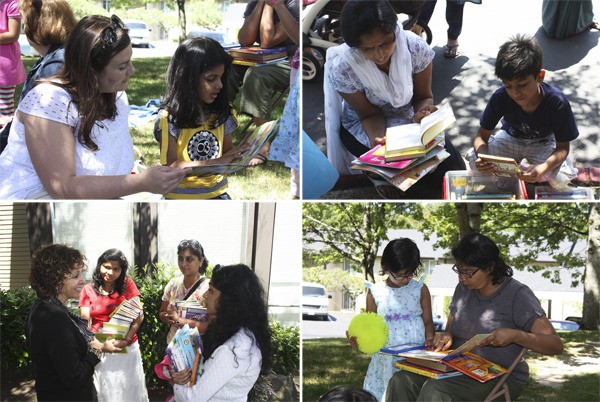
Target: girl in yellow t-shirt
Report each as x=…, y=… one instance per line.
x=196, y=119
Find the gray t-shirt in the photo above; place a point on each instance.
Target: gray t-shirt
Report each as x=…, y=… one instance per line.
x=513, y=305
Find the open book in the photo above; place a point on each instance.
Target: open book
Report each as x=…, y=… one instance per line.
x=418, y=136
x=504, y=166
x=255, y=140
x=459, y=359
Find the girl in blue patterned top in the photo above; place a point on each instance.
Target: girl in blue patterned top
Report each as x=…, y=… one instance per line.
x=405, y=304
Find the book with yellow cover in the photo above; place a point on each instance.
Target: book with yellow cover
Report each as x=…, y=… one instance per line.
x=417, y=136
x=507, y=167
x=426, y=371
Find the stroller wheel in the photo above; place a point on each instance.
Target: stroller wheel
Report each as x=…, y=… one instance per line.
x=312, y=64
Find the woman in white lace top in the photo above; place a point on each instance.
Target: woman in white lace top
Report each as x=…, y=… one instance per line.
x=70, y=136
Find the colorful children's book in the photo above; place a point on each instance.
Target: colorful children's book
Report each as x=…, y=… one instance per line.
x=105, y=336
x=426, y=371
x=417, y=136
x=255, y=53
x=459, y=359
x=376, y=157
x=185, y=351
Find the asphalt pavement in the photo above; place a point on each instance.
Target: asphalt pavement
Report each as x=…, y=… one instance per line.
x=573, y=65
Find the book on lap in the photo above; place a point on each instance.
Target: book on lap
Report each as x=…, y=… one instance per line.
x=418, y=136
x=460, y=359
x=258, y=54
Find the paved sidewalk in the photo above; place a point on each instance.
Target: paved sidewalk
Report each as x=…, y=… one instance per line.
x=573, y=65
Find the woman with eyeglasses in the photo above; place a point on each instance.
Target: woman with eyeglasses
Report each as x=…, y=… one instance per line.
x=405, y=304
x=383, y=75
x=191, y=285
x=70, y=136
x=487, y=300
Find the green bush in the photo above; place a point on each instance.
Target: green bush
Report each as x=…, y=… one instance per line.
x=15, y=305
x=286, y=347
x=153, y=333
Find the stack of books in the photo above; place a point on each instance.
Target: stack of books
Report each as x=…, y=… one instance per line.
x=253, y=55
x=185, y=351
x=120, y=321
x=191, y=310
x=439, y=365
x=410, y=151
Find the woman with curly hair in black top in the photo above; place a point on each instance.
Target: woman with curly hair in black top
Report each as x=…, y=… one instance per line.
x=63, y=351
x=237, y=343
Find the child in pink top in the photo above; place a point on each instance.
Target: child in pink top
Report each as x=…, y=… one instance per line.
x=12, y=72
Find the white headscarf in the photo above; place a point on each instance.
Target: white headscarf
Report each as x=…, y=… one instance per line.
x=395, y=88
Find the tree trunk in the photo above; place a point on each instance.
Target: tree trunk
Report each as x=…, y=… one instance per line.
x=591, y=284
x=469, y=217
x=39, y=222
x=182, y=20
x=145, y=237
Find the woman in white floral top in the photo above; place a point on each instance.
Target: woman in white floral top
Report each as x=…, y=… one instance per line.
x=192, y=263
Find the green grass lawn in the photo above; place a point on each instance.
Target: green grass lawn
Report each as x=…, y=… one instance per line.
x=327, y=363
x=266, y=182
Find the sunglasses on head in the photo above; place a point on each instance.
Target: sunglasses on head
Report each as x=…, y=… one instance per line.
x=109, y=34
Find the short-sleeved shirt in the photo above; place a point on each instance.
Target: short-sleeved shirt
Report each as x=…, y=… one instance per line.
x=513, y=305
x=18, y=178
x=102, y=306
x=553, y=117
x=292, y=6
x=12, y=71
x=343, y=79
x=176, y=291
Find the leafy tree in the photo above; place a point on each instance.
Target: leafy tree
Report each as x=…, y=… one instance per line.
x=591, y=279
x=535, y=228
x=81, y=8
x=353, y=231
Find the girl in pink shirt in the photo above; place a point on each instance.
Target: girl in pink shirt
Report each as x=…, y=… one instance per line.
x=12, y=72
x=118, y=376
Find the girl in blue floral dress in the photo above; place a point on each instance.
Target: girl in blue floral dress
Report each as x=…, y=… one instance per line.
x=404, y=303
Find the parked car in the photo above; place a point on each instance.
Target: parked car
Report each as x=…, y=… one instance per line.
x=139, y=33
x=564, y=325
x=216, y=35
x=315, y=301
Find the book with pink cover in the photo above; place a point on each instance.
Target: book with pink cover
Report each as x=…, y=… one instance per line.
x=376, y=157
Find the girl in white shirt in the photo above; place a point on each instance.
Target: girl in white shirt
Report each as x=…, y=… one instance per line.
x=237, y=343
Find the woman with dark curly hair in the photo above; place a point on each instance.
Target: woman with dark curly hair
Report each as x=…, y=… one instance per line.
x=63, y=351
x=119, y=376
x=237, y=343
x=486, y=301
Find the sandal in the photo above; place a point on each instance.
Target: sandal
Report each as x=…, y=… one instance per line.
x=451, y=51
x=259, y=159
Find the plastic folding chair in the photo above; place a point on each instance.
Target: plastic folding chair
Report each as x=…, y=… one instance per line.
x=501, y=387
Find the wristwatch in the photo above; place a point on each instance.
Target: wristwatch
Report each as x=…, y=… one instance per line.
x=178, y=323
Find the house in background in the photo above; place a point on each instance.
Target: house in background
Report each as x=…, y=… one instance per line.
x=558, y=300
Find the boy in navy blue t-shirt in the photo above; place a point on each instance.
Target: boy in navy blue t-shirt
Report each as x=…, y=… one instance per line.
x=537, y=120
